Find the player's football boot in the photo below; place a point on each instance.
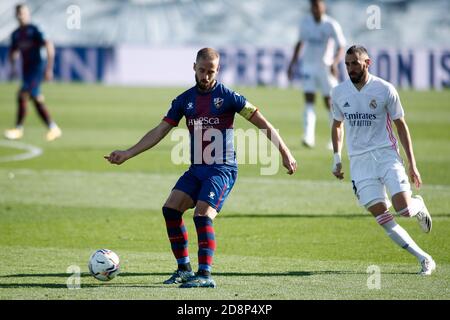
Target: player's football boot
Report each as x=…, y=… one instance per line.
x=180, y=276
x=308, y=143
x=14, y=134
x=53, y=133
x=424, y=217
x=428, y=266
x=199, y=282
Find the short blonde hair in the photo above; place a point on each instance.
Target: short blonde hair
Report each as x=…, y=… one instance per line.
x=207, y=54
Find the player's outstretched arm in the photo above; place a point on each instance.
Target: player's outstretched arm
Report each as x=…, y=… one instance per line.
x=405, y=139
x=337, y=137
x=289, y=161
x=148, y=141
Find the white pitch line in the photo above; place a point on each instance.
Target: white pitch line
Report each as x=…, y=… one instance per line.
x=31, y=151
x=158, y=176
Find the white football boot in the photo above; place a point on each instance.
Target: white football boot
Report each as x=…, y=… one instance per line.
x=428, y=266
x=53, y=133
x=14, y=134
x=424, y=217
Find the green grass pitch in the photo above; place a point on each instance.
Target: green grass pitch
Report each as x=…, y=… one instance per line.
x=278, y=237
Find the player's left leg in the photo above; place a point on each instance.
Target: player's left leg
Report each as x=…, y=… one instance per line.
x=38, y=99
x=400, y=236
x=327, y=82
x=203, y=219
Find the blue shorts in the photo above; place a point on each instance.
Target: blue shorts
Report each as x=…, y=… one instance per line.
x=208, y=183
x=32, y=82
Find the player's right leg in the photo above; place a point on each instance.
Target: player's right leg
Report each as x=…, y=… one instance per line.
x=309, y=120
x=37, y=97
x=327, y=82
x=17, y=132
x=182, y=197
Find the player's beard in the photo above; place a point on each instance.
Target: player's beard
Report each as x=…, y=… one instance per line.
x=204, y=86
x=357, y=78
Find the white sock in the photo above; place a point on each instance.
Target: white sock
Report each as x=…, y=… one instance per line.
x=309, y=121
x=415, y=206
x=400, y=236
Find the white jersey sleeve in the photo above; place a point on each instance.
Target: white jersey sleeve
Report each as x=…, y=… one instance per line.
x=393, y=104
x=337, y=113
x=337, y=34
x=302, y=31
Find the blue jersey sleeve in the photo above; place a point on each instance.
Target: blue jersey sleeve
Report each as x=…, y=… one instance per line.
x=39, y=36
x=175, y=112
x=14, y=44
x=238, y=102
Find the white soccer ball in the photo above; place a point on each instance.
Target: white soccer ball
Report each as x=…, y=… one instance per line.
x=104, y=265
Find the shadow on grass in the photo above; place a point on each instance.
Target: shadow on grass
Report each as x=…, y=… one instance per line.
x=113, y=284
x=221, y=274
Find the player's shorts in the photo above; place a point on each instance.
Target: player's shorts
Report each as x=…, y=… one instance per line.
x=375, y=171
x=316, y=78
x=211, y=184
x=31, y=81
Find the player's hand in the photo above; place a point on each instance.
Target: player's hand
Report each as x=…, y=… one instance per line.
x=337, y=167
x=414, y=175
x=334, y=70
x=337, y=171
x=118, y=157
x=48, y=74
x=290, y=163
x=290, y=72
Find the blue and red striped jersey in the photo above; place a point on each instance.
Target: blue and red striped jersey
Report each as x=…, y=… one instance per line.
x=29, y=41
x=209, y=116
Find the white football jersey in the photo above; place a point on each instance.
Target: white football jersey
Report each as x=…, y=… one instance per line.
x=320, y=39
x=367, y=114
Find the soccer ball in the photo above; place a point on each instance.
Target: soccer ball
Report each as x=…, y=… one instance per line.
x=104, y=265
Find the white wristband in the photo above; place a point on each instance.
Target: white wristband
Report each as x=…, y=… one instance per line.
x=337, y=158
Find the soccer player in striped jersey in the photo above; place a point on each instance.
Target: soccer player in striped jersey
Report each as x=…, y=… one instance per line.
x=209, y=108
x=367, y=106
x=28, y=41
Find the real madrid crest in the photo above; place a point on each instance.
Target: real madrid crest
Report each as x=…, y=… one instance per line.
x=218, y=102
x=373, y=104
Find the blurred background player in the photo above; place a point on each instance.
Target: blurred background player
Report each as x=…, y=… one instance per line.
x=208, y=107
x=368, y=105
x=28, y=40
x=322, y=44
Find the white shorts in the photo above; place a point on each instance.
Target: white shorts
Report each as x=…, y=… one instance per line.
x=375, y=171
x=318, y=78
